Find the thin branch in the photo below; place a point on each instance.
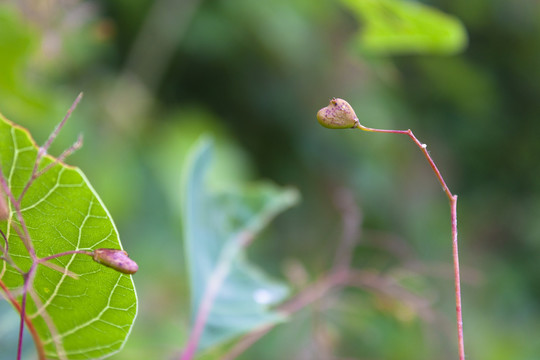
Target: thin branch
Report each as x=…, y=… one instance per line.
x=388, y=286
x=24, y=236
x=306, y=297
x=453, y=214
x=28, y=279
x=42, y=151
x=65, y=253
x=4, y=248
x=351, y=224
x=423, y=148
x=76, y=146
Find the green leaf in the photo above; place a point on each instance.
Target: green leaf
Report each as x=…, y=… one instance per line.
x=405, y=27
x=93, y=314
x=215, y=226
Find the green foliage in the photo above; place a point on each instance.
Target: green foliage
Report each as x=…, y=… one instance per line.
x=217, y=224
x=260, y=70
x=93, y=314
x=16, y=40
x=406, y=27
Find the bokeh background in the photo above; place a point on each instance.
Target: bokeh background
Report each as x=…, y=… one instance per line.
x=252, y=74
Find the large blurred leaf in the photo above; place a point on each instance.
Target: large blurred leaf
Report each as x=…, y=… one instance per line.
x=94, y=314
x=406, y=27
x=215, y=225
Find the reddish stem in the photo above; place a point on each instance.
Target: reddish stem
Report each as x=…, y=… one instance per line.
x=459, y=317
x=42, y=151
x=29, y=324
x=453, y=212
x=70, y=252
x=23, y=315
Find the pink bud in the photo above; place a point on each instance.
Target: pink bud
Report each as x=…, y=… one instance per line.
x=116, y=259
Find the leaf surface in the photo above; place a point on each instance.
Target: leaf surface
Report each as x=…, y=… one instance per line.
x=406, y=27
x=92, y=315
x=216, y=225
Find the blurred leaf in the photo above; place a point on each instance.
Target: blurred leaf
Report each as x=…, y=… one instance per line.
x=406, y=27
x=93, y=315
x=16, y=40
x=24, y=90
x=215, y=225
x=171, y=143
x=9, y=326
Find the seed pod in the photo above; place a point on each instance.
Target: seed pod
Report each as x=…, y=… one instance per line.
x=116, y=259
x=337, y=115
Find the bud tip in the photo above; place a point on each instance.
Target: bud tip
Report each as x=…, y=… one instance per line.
x=115, y=259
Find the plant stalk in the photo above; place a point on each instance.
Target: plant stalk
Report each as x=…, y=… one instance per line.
x=29, y=324
x=453, y=212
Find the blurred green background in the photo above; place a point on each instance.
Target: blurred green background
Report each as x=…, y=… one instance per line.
x=252, y=74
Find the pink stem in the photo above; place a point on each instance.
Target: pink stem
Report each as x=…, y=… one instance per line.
x=459, y=317
x=29, y=324
x=453, y=210
x=27, y=280
x=42, y=151
x=71, y=252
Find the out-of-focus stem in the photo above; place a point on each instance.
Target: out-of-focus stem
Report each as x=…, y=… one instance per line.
x=29, y=324
x=42, y=151
x=314, y=292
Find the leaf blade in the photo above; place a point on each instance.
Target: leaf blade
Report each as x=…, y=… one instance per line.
x=216, y=226
x=394, y=27
x=63, y=212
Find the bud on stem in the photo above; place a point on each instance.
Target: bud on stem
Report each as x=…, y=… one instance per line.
x=116, y=259
x=337, y=115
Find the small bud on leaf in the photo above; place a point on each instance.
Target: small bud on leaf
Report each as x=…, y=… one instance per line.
x=337, y=115
x=115, y=259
